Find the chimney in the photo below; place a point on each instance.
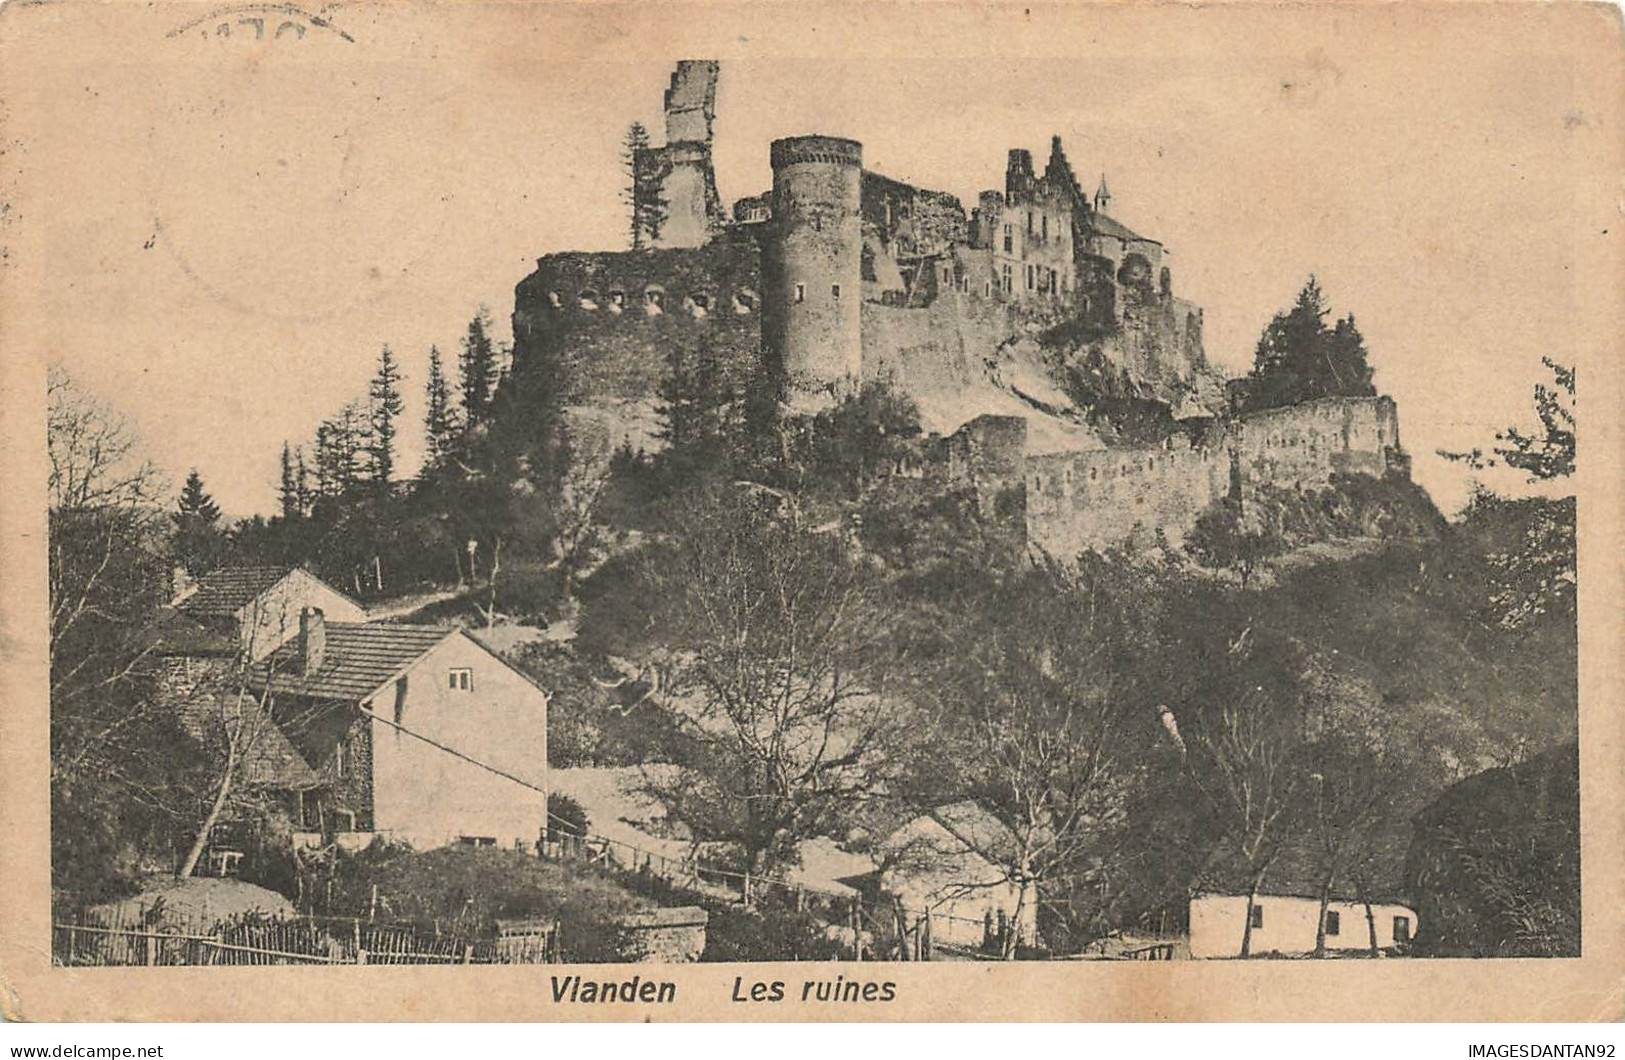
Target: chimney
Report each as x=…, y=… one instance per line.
x=312, y=640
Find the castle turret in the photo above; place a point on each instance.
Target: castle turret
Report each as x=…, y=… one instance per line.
x=1103, y=196
x=815, y=259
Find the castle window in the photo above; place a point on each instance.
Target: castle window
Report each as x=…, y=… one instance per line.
x=617, y=301
x=744, y=302
x=987, y=289
x=1009, y=241
x=701, y=304
x=1094, y=473
x=1044, y=223
x=1006, y=277
x=1029, y=222
x=801, y=292
x=554, y=300
x=588, y=299
x=1029, y=277
x=835, y=291
x=654, y=301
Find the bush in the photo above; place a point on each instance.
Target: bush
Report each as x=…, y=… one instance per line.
x=768, y=933
x=566, y=815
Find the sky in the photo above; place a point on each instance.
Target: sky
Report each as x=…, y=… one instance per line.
x=217, y=233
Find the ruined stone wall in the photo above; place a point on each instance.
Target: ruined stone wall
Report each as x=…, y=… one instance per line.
x=1098, y=498
x=937, y=346
x=1092, y=499
x=1304, y=445
x=613, y=316
x=690, y=203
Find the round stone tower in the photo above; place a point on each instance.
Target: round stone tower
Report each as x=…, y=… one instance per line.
x=815, y=260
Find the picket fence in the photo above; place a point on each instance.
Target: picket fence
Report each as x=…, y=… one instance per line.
x=109, y=939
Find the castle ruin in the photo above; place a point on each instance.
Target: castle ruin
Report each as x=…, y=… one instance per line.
x=1009, y=325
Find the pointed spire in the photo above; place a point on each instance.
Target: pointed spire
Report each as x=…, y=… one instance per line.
x=1103, y=195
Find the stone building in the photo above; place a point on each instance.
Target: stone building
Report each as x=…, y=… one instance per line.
x=1036, y=307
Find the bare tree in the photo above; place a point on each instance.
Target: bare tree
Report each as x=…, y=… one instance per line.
x=1047, y=727
x=777, y=678
x=1242, y=763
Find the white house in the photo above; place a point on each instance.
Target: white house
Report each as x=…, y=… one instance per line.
x=1285, y=914
x=945, y=864
x=1285, y=924
x=416, y=733
x=261, y=605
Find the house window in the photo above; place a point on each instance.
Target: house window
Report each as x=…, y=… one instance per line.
x=460, y=679
x=1334, y=922
x=801, y=292
x=1402, y=929
x=1258, y=916
x=477, y=840
x=835, y=291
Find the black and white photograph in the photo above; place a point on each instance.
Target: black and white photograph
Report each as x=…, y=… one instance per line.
x=524, y=487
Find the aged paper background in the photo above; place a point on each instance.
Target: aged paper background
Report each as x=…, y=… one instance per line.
x=252, y=256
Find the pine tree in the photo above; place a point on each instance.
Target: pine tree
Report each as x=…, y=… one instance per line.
x=289, y=492
x=696, y=409
x=477, y=370
x=196, y=502
x=302, y=481
x=440, y=426
x=646, y=211
x=198, y=541
x=1299, y=358
x=384, y=397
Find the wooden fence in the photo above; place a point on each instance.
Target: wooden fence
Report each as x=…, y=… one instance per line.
x=103, y=939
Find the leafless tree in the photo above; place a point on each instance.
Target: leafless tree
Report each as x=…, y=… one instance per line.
x=1043, y=717
x=1242, y=763
x=777, y=679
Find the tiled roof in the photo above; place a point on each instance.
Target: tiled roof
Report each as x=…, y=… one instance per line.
x=1109, y=226
x=227, y=590
x=359, y=657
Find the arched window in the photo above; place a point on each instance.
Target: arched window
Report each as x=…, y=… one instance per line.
x=588, y=299
x=744, y=301
x=654, y=300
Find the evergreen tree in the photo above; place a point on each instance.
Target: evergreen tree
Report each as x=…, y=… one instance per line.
x=646, y=210
x=198, y=540
x=290, y=491
x=1300, y=359
x=384, y=396
x=696, y=413
x=440, y=426
x=302, y=480
x=477, y=370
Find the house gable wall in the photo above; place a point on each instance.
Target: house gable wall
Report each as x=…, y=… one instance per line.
x=272, y=618
x=428, y=797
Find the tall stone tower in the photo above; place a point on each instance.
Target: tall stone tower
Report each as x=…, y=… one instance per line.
x=690, y=207
x=815, y=261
